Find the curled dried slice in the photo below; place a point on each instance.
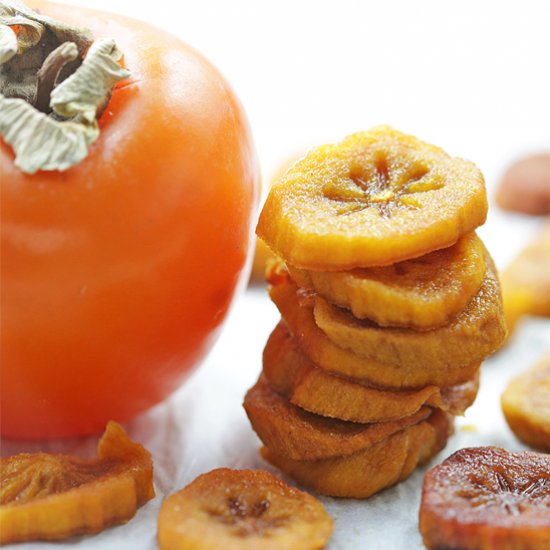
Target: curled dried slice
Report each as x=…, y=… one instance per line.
x=525, y=282
x=526, y=405
x=296, y=307
x=421, y=293
x=470, y=337
x=376, y=198
x=300, y=435
x=485, y=498
x=367, y=472
x=242, y=510
x=52, y=497
x=291, y=373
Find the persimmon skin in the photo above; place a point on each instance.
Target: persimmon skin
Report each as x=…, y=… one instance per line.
x=117, y=273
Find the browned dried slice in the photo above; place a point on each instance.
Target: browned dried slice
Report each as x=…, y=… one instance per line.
x=366, y=472
x=291, y=373
x=296, y=307
x=242, y=510
x=376, y=198
x=301, y=435
x=526, y=405
x=421, y=293
x=526, y=281
x=470, y=337
x=47, y=496
x=487, y=498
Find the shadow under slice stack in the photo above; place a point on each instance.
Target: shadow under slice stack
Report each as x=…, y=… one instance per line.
x=389, y=304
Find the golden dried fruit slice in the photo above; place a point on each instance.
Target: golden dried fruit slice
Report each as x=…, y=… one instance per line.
x=470, y=337
x=526, y=405
x=421, y=293
x=291, y=373
x=47, y=496
x=376, y=198
x=367, y=472
x=526, y=281
x=296, y=307
x=300, y=435
x=242, y=510
x=487, y=498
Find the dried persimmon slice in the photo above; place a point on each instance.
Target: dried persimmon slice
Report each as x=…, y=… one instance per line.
x=376, y=198
x=370, y=470
x=470, y=337
x=526, y=283
x=47, y=496
x=296, y=307
x=292, y=374
x=242, y=510
x=301, y=435
x=487, y=497
x=526, y=405
x=421, y=293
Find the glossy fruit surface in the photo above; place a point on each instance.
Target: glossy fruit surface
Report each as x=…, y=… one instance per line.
x=117, y=273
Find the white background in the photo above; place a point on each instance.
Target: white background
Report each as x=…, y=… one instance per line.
x=470, y=76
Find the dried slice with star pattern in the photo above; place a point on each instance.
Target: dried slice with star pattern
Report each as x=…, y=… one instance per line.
x=242, y=510
x=48, y=496
x=374, y=199
x=487, y=498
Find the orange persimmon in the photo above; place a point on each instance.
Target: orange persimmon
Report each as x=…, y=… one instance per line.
x=117, y=272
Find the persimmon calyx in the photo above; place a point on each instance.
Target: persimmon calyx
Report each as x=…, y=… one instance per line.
x=49, y=114
x=8, y=43
x=86, y=91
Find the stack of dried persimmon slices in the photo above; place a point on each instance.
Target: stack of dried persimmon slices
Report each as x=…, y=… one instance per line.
x=389, y=304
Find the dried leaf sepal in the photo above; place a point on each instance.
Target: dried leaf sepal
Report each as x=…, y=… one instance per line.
x=50, y=99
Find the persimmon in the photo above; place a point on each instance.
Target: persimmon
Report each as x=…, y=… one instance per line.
x=117, y=272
